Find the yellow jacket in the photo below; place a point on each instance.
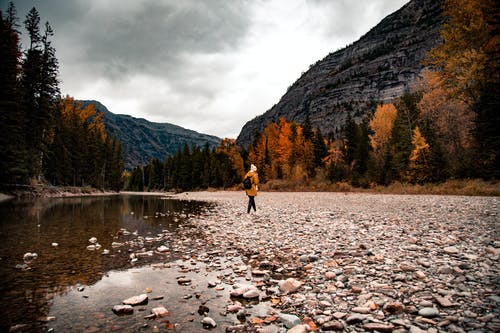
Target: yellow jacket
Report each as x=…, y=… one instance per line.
x=255, y=181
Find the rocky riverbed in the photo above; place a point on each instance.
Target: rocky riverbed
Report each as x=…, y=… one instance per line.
x=358, y=262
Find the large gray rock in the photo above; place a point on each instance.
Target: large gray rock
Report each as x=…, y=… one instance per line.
x=289, y=320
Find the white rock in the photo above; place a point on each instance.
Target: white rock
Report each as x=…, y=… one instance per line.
x=252, y=293
x=55, y=244
x=289, y=285
x=298, y=329
x=30, y=256
x=93, y=240
x=241, y=290
x=160, y=311
x=162, y=248
x=233, y=308
x=428, y=312
x=136, y=300
x=209, y=322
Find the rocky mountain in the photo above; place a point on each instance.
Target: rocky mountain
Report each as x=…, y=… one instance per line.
x=143, y=140
x=379, y=67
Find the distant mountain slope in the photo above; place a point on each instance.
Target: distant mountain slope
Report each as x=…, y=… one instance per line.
x=142, y=140
x=378, y=67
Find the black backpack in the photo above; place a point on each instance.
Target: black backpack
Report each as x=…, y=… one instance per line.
x=247, y=183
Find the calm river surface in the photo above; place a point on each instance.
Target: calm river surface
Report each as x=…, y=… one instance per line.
x=69, y=288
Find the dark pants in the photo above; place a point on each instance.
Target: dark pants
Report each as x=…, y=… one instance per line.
x=251, y=203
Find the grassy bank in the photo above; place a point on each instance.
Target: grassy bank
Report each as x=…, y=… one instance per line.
x=44, y=191
x=473, y=187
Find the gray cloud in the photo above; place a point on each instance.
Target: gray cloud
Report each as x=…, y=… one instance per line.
x=348, y=19
x=116, y=38
x=207, y=65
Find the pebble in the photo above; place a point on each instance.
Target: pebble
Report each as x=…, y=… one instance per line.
x=428, y=312
x=289, y=285
x=451, y=250
x=334, y=325
x=444, y=302
x=123, y=309
x=160, y=311
x=30, y=256
x=378, y=327
x=289, y=320
x=361, y=310
x=299, y=329
x=162, y=248
x=136, y=300
x=208, y=322
x=355, y=318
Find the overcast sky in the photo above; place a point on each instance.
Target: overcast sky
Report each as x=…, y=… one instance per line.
x=206, y=65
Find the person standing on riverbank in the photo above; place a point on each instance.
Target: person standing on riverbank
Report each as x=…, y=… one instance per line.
x=252, y=178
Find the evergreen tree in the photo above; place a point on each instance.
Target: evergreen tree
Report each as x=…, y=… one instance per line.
x=12, y=146
x=137, y=179
x=362, y=152
x=402, y=132
x=39, y=90
x=307, y=130
x=350, y=141
x=320, y=149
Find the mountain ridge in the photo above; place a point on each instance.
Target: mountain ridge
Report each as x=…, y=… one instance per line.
x=143, y=140
x=378, y=67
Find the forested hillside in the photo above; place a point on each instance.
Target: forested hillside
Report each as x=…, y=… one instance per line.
x=143, y=140
x=45, y=137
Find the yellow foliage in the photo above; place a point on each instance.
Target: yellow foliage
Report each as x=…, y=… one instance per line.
x=231, y=150
x=74, y=114
x=282, y=152
x=452, y=118
x=381, y=124
x=461, y=59
x=421, y=147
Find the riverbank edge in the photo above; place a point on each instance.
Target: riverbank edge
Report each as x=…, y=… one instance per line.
x=48, y=191
x=469, y=187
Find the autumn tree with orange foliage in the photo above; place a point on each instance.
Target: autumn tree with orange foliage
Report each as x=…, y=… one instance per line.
x=281, y=152
x=451, y=120
x=81, y=152
x=467, y=63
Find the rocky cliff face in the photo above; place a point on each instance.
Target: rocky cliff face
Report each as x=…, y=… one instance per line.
x=143, y=140
x=378, y=67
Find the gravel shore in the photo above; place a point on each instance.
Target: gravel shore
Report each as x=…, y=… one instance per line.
x=363, y=262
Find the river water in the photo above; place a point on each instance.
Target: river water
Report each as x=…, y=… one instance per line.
x=71, y=288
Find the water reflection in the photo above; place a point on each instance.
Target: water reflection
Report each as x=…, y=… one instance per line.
x=27, y=292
